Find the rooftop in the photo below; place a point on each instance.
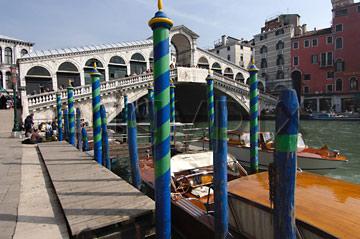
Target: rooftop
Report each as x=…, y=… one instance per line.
x=2, y=37
x=315, y=33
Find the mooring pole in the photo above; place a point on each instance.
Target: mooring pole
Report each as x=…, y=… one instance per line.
x=105, y=139
x=85, y=139
x=254, y=160
x=172, y=109
x=151, y=115
x=95, y=79
x=126, y=114
x=66, y=124
x=70, y=90
x=132, y=142
x=286, y=126
x=210, y=108
x=58, y=106
x=220, y=169
x=161, y=26
x=78, y=129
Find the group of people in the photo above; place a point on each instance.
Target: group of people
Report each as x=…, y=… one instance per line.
x=36, y=135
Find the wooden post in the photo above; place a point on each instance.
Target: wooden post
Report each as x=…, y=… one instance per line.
x=210, y=108
x=78, y=129
x=66, y=124
x=287, y=120
x=105, y=139
x=59, y=116
x=85, y=139
x=220, y=169
x=95, y=86
x=71, y=118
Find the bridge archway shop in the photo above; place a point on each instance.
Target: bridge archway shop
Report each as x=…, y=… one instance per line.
x=38, y=80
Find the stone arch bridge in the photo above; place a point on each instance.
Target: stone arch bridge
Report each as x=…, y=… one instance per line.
x=44, y=105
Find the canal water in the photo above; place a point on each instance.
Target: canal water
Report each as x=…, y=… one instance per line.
x=340, y=135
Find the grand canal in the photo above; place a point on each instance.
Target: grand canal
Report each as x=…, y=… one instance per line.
x=340, y=135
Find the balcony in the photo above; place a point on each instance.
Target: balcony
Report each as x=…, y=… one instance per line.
x=263, y=55
x=280, y=68
x=280, y=51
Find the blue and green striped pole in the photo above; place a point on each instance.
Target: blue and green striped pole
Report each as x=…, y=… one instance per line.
x=126, y=113
x=210, y=108
x=70, y=90
x=172, y=108
x=78, y=129
x=66, y=124
x=105, y=139
x=95, y=79
x=254, y=158
x=132, y=142
x=161, y=26
x=286, y=126
x=85, y=139
x=151, y=115
x=58, y=106
x=220, y=169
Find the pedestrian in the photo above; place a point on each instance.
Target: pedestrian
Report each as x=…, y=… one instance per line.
x=29, y=122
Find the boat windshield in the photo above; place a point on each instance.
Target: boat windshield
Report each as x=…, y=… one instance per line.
x=246, y=138
x=301, y=143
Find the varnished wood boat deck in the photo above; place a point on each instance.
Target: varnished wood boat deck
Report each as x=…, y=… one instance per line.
x=328, y=204
x=91, y=196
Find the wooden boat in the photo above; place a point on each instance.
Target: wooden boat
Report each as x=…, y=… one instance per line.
x=324, y=207
x=335, y=117
x=191, y=192
x=319, y=161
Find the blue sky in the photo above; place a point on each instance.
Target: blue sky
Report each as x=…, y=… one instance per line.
x=66, y=23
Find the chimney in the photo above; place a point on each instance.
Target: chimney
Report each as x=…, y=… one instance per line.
x=223, y=40
x=304, y=28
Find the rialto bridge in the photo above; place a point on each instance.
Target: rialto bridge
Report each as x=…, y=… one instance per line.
x=127, y=66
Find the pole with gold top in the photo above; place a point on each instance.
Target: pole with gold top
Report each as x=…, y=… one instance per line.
x=210, y=108
x=253, y=118
x=161, y=26
x=70, y=90
x=95, y=83
x=58, y=106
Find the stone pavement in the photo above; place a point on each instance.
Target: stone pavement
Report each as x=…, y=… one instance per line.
x=28, y=205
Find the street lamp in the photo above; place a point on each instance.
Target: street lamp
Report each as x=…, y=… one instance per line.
x=16, y=132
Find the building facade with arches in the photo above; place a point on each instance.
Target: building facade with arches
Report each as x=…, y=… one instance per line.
x=10, y=50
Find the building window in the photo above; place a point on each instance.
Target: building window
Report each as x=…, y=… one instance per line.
x=339, y=43
x=314, y=59
x=280, y=75
x=338, y=86
x=241, y=47
x=314, y=42
x=296, y=45
x=23, y=52
x=263, y=37
x=251, y=49
x=358, y=8
x=329, y=88
x=353, y=83
x=329, y=40
x=340, y=13
x=296, y=60
x=339, y=65
x=306, y=43
x=307, y=76
x=217, y=51
x=339, y=28
x=263, y=63
x=323, y=60
x=228, y=57
x=241, y=57
x=8, y=56
x=279, y=32
x=0, y=55
x=280, y=45
x=330, y=58
x=228, y=48
x=306, y=89
x=280, y=60
x=329, y=75
x=263, y=49
x=1, y=80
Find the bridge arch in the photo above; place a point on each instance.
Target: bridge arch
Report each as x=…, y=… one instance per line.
x=117, y=67
x=38, y=80
x=89, y=66
x=229, y=73
x=66, y=71
x=216, y=67
x=137, y=63
x=183, y=48
x=239, y=77
x=203, y=63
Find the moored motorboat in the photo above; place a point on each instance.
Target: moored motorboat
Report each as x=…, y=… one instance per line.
x=324, y=207
x=309, y=159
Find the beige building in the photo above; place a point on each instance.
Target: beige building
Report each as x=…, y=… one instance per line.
x=10, y=50
x=273, y=51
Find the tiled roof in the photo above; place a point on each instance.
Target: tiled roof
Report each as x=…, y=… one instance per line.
x=85, y=48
